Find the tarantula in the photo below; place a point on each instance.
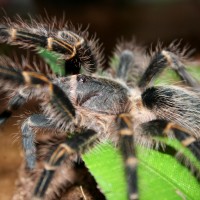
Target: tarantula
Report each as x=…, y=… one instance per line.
x=92, y=107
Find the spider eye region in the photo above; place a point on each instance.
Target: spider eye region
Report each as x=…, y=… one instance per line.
x=81, y=78
x=101, y=95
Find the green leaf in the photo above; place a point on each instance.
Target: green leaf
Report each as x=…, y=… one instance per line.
x=161, y=176
x=106, y=165
x=194, y=71
x=169, y=76
x=53, y=59
x=114, y=62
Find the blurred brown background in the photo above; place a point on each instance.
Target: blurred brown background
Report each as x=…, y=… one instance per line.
x=146, y=20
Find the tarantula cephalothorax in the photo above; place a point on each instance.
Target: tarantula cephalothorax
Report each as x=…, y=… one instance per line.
x=95, y=107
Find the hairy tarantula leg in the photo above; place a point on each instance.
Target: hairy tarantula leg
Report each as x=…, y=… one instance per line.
x=165, y=128
x=189, y=142
x=125, y=63
x=179, y=106
x=74, y=36
x=14, y=103
x=159, y=62
x=42, y=85
x=75, y=50
x=128, y=152
x=176, y=105
x=28, y=136
x=36, y=39
x=72, y=146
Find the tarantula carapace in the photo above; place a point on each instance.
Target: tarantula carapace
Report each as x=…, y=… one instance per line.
x=122, y=107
